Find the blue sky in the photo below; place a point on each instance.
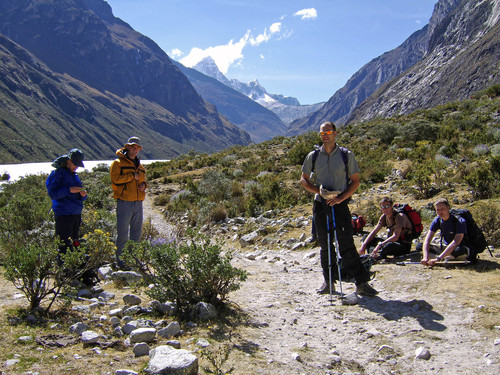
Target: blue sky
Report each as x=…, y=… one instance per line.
x=304, y=49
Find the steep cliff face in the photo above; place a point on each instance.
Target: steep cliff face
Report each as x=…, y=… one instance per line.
x=82, y=40
x=462, y=57
x=374, y=74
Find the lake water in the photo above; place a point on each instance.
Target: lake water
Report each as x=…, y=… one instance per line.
x=23, y=169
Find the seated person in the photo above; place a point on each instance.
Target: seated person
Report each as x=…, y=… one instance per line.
x=395, y=244
x=453, y=229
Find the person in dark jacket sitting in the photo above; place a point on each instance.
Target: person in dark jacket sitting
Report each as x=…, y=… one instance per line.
x=67, y=194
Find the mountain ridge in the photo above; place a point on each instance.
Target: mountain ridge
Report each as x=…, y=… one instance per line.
x=82, y=44
x=287, y=108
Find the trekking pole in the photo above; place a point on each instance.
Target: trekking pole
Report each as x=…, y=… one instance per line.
x=441, y=263
x=337, y=251
x=329, y=258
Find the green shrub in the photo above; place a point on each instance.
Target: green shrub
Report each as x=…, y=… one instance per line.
x=303, y=145
x=483, y=181
x=35, y=268
x=186, y=273
x=215, y=185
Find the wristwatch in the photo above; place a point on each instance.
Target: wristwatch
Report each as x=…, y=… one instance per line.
x=439, y=258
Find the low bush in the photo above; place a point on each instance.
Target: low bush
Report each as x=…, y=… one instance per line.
x=188, y=272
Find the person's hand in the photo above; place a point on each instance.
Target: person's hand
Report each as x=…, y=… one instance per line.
x=137, y=175
x=424, y=261
x=432, y=262
x=75, y=189
x=375, y=251
x=362, y=250
x=83, y=193
x=328, y=194
x=142, y=186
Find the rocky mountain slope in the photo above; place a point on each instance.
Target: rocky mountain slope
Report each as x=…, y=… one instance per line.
x=286, y=107
x=436, y=40
x=261, y=123
x=462, y=57
x=89, y=55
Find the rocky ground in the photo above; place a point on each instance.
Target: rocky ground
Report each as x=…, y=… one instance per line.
x=440, y=320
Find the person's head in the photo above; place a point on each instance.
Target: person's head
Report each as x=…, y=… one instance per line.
x=442, y=207
x=328, y=132
x=75, y=159
x=133, y=146
x=386, y=205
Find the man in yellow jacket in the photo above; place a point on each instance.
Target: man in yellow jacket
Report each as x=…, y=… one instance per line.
x=128, y=179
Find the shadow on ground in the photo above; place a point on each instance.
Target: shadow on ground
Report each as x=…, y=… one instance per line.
x=395, y=310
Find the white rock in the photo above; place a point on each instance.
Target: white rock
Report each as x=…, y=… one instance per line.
x=143, y=335
x=202, y=343
x=167, y=360
x=350, y=299
x=89, y=337
x=422, y=353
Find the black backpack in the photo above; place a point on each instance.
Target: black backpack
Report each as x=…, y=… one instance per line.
x=474, y=239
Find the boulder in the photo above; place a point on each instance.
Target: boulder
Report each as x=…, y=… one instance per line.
x=167, y=360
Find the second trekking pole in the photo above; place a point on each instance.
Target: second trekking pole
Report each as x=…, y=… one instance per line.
x=337, y=251
x=329, y=257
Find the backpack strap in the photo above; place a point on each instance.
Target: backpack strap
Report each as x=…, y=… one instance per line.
x=343, y=152
x=314, y=157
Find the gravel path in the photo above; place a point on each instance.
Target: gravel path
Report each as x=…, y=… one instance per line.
x=293, y=330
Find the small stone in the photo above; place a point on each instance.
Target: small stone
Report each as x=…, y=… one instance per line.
x=350, y=299
x=170, y=331
x=296, y=357
x=202, y=343
x=143, y=335
x=141, y=349
x=422, y=353
x=125, y=372
x=78, y=328
x=131, y=300
x=89, y=337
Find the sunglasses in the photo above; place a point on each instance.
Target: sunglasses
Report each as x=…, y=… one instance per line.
x=327, y=132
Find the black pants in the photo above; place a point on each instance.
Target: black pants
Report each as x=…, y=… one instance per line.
x=350, y=263
x=391, y=248
x=68, y=230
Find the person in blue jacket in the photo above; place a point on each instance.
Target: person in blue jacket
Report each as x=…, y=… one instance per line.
x=67, y=194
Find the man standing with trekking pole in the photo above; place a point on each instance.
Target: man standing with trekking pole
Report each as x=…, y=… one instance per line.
x=337, y=178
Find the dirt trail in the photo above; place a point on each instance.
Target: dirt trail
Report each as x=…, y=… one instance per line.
x=293, y=330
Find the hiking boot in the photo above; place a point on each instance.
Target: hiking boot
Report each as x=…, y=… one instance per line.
x=312, y=240
x=365, y=289
x=325, y=288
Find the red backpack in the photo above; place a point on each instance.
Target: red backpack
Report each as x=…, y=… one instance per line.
x=415, y=220
x=358, y=223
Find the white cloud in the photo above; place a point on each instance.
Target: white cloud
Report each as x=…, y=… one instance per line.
x=262, y=56
x=224, y=55
x=309, y=13
x=231, y=53
x=265, y=36
x=176, y=53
